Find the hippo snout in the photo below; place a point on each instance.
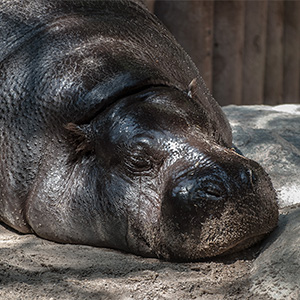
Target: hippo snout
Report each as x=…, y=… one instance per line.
x=222, y=205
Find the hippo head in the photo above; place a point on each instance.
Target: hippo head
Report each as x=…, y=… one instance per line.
x=170, y=177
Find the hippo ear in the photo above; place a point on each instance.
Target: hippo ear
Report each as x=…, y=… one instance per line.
x=80, y=137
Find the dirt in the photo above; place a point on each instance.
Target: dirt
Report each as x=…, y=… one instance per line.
x=33, y=268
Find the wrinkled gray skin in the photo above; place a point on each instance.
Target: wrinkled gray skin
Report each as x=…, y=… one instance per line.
x=104, y=141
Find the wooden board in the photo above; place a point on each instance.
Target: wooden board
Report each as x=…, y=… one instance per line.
x=228, y=51
x=191, y=22
x=274, y=57
x=291, y=55
x=254, y=52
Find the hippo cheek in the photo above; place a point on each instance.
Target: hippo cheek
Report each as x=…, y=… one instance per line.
x=212, y=212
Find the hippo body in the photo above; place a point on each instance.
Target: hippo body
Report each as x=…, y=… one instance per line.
x=110, y=138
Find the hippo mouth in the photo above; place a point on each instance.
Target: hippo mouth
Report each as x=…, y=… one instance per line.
x=243, y=244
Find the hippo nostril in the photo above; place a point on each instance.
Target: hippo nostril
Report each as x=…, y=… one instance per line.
x=248, y=177
x=211, y=192
x=253, y=177
x=199, y=191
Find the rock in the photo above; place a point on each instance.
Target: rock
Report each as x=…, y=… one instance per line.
x=276, y=272
x=270, y=135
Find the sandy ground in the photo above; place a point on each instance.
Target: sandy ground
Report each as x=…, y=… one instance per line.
x=33, y=268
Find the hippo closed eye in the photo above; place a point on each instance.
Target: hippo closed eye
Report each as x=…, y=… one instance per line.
x=110, y=138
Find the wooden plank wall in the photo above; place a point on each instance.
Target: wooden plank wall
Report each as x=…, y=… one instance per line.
x=248, y=52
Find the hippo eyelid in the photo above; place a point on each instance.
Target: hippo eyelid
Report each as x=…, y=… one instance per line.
x=147, y=145
x=143, y=157
x=142, y=152
x=142, y=139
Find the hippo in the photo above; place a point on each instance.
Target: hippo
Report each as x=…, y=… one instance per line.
x=110, y=138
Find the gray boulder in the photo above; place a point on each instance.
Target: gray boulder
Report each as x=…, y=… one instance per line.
x=271, y=136
x=276, y=272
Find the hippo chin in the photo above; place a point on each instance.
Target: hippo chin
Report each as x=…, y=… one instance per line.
x=110, y=138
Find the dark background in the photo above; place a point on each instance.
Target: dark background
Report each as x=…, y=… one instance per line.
x=246, y=51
